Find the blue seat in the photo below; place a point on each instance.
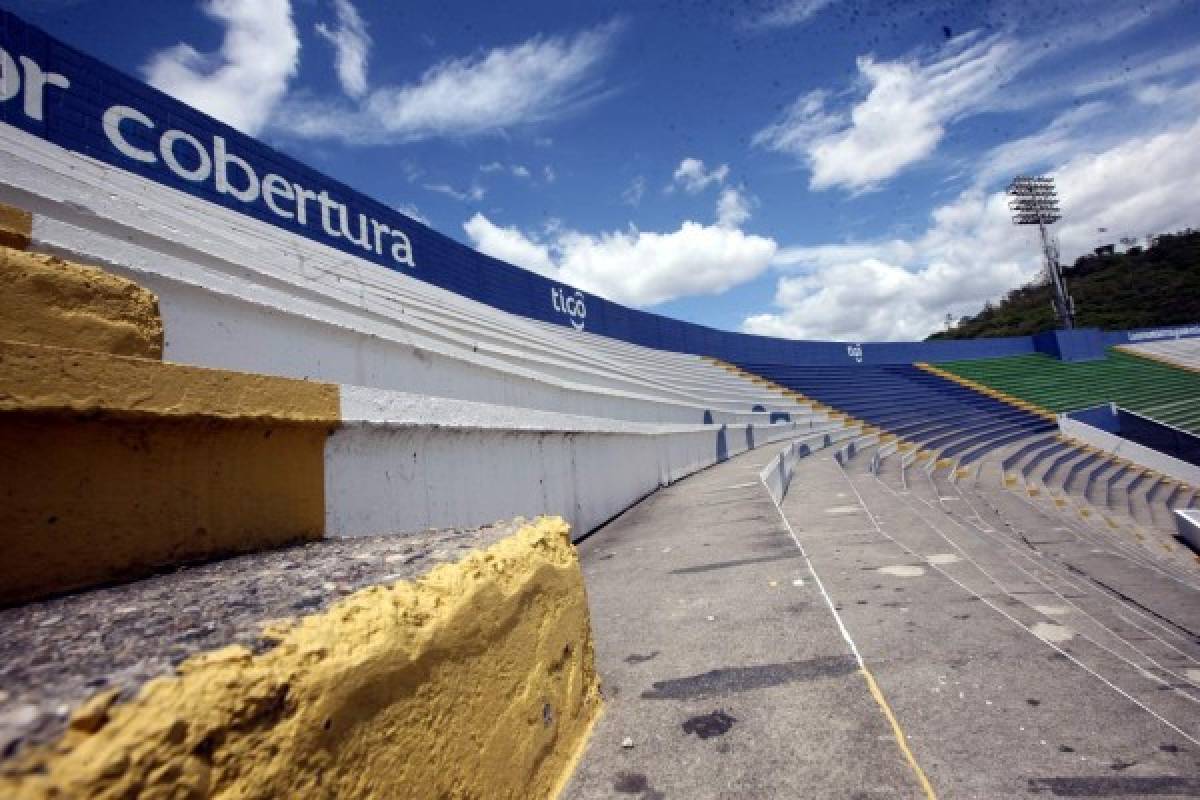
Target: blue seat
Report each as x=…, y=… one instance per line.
x=911, y=403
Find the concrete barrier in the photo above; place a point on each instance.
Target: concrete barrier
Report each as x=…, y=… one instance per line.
x=406, y=462
x=54, y=302
x=131, y=464
x=777, y=474
x=473, y=678
x=1187, y=525
x=1120, y=447
x=117, y=466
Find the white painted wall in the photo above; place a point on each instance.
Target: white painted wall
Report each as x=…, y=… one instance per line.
x=1187, y=525
x=405, y=462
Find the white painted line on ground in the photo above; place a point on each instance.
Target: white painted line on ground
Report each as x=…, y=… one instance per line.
x=872, y=686
x=735, y=486
x=1023, y=627
x=1142, y=654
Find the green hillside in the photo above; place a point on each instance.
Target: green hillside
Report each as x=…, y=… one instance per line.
x=1137, y=289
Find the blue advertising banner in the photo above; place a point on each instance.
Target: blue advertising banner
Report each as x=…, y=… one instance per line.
x=70, y=99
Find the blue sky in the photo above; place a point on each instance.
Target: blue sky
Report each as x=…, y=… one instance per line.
x=806, y=168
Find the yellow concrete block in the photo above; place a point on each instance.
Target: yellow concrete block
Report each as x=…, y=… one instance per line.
x=41, y=379
x=476, y=681
x=54, y=302
x=118, y=466
x=16, y=227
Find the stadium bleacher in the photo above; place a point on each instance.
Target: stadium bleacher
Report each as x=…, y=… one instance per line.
x=993, y=420
x=1183, y=353
x=911, y=404
x=269, y=516
x=1152, y=388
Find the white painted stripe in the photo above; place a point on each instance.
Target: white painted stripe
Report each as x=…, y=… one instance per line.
x=1023, y=627
x=817, y=578
x=1050, y=589
x=872, y=686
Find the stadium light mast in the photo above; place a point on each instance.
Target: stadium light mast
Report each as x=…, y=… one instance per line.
x=1033, y=200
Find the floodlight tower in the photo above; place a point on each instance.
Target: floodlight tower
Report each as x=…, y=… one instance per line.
x=1034, y=201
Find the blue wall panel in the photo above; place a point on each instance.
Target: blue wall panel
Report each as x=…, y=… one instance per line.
x=1163, y=438
x=1079, y=344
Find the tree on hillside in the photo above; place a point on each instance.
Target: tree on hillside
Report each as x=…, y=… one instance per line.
x=1145, y=286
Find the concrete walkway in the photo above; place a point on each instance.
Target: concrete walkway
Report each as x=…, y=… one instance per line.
x=721, y=661
x=1021, y=653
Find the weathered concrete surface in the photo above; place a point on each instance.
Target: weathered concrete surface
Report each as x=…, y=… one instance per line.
x=16, y=225
x=54, y=302
x=474, y=680
x=121, y=466
x=56, y=653
x=720, y=660
x=1024, y=654
x=1011, y=668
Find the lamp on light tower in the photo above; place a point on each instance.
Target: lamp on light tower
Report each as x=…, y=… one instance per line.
x=1033, y=200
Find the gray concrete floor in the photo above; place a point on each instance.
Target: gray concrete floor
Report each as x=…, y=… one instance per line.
x=1022, y=652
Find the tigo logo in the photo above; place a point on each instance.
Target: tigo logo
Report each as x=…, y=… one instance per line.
x=571, y=305
x=855, y=351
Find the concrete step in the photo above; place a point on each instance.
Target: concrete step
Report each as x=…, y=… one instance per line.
x=288, y=652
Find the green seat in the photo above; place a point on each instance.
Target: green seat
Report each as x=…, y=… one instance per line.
x=1142, y=385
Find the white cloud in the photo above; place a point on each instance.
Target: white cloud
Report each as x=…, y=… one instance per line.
x=1050, y=145
x=640, y=268
x=1138, y=70
x=351, y=44
x=473, y=193
x=1093, y=127
x=516, y=170
x=733, y=208
x=692, y=175
x=788, y=14
x=548, y=174
x=242, y=83
x=901, y=118
x=632, y=196
x=539, y=79
x=971, y=252
x=509, y=244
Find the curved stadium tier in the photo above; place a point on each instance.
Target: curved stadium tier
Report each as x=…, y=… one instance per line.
x=281, y=500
